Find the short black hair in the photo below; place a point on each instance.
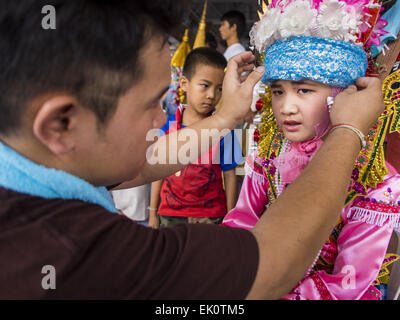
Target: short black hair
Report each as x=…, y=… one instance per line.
x=238, y=18
x=202, y=55
x=92, y=53
x=211, y=41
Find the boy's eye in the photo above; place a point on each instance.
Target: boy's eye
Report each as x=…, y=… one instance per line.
x=203, y=85
x=303, y=90
x=277, y=92
x=219, y=89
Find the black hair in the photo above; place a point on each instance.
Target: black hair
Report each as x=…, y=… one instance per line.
x=238, y=18
x=211, y=41
x=202, y=55
x=92, y=53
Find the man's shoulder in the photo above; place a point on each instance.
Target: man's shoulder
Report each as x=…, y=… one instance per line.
x=238, y=46
x=24, y=209
x=233, y=50
x=71, y=236
x=85, y=243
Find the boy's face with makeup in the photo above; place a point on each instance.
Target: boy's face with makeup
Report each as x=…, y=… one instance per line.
x=299, y=106
x=203, y=89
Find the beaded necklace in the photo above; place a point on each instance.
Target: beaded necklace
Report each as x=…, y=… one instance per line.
x=369, y=168
x=278, y=181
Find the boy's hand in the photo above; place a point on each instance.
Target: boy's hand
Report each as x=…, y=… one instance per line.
x=359, y=108
x=153, y=222
x=237, y=95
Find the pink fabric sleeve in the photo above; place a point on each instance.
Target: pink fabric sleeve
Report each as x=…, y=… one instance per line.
x=252, y=199
x=361, y=246
x=361, y=250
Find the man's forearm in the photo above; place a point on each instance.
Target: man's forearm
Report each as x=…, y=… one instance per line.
x=168, y=155
x=292, y=230
x=237, y=95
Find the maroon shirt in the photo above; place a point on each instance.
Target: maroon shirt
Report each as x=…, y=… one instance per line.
x=100, y=255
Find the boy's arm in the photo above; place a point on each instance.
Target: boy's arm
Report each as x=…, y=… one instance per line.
x=154, y=203
x=231, y=192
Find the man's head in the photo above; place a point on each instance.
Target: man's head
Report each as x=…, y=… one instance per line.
x=62, y=89
x=233, y=25
x=203, y=74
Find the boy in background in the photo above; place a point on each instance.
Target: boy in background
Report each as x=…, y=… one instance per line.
x=196, y=194
x=233, y=26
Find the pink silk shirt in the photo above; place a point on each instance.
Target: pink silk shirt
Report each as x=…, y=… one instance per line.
x=350, y=261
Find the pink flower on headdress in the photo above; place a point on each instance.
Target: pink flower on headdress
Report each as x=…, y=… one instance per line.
x=346, y=20
x=371, y=30
x=354, y=2
x=317, y=3
x=377, y=32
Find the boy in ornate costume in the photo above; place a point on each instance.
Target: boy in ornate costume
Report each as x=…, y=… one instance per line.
x=311, y=51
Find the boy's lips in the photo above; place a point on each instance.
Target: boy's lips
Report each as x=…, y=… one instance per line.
x=291, y=125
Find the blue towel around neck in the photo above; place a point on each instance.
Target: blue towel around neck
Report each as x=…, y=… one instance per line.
x=23, y=175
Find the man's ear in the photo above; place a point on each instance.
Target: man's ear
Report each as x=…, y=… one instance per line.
x=234, y=27
x=54, y=123
x=184, y=83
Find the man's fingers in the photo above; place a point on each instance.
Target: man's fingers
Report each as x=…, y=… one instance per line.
x=359, y=105
x=243, y=58
x=248, y=67
x=363, y=83
x=350, y=89
x=253, y=78
x=371, y=84
x=238, y=64
x=368, y=82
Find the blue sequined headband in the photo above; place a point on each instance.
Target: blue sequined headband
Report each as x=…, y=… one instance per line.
x=328, y=61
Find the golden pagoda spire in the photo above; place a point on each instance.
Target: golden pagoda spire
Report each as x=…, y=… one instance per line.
x=200, y=40
x=179, y=57
x=264, y=8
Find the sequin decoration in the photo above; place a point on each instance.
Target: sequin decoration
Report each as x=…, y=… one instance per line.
x=329, y=61
x=370, y=168
x=391, y=94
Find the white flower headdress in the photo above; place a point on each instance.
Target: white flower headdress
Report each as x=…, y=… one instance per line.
x=347, y=20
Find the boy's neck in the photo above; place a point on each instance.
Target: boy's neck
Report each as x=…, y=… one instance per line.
x=190, y=116
x=323, y=138
x=232, y=40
